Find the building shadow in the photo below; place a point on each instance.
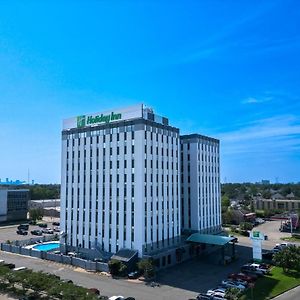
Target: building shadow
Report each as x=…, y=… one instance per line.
x=203, y=272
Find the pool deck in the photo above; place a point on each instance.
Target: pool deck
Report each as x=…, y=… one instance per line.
x=43, y=243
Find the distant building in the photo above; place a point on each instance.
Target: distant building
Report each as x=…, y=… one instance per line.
x=265, y=181
x=51, y=207
x=13, y=204
x=276, y=204
x=240, y=215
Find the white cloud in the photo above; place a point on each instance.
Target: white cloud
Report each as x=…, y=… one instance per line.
x=253, y=100
x=279, y=135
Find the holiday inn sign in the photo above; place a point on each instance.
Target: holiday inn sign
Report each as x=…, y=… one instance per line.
x=83, y=120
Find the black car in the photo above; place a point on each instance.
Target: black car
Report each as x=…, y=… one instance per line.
x=56, y=224
x=134, y=275
x=36, y=232
x=23, y=227
x=9, y=265
x=268, y=255
x=43, y=225
x=22, y=232
x=32, y=222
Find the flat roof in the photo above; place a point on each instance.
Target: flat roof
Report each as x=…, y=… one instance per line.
x=209, y=239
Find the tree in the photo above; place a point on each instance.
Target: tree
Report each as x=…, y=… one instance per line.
x=246, y=226
x=225, y=203
x=227, y=217
x=232, y=294
x=146, y=266
x=116, y=267
x=36, y=214
x=288, y=258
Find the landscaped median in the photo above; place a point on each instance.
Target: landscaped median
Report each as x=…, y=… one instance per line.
x=274, y=284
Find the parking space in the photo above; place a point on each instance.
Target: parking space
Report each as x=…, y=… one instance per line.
x=10, y=232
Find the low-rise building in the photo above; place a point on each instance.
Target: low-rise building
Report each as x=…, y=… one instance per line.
x=13, y=204
x=276, y=204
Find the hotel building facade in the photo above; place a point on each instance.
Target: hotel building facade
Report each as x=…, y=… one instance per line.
x=121, y=182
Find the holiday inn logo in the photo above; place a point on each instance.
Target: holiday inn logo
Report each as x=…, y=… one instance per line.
x=80, y=121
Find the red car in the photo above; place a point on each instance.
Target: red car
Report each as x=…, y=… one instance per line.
x=242, y=276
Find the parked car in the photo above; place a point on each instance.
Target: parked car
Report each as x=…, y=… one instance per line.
x=43, y=225
x=129, y=298
x=212, y=292
x=218, y=296
x=32, y=222
x=36, y=232
x=116, y=298
x=23, y=227
x=232, y=284
x=259, y=268
x=22, y=232
x=268, y=254
x=134, y=275
x=56, y=229
x=202, y=296
x=9, y=265
x=248, y=269
x=55, y=223
x=47, y=230
x=235, y=239
x=242, y=277
x=19, y=269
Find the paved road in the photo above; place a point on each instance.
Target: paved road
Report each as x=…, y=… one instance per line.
x=293, y=294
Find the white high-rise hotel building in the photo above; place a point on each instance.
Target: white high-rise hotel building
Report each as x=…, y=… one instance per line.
x=121, y=178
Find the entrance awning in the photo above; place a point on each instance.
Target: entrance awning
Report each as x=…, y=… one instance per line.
x=209, y=239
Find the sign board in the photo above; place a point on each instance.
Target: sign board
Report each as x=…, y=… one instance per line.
x=87, y=120
x=257, y=249
x=257, y=235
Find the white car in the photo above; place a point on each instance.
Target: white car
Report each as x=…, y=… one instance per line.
x=213, y=291
x=229, y=283
x=257, y=267
x=116, y=298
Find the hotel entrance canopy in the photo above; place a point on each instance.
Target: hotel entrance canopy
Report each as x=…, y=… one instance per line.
x=209, y=239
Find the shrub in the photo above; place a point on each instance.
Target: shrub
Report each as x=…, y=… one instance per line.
x=116, y=267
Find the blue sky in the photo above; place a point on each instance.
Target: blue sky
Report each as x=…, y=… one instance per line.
x=228, y=69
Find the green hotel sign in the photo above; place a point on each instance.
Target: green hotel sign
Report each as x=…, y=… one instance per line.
x=256, y=234
x=83, y=121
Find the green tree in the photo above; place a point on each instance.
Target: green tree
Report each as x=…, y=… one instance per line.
x=288, y=258
x=225, y=203
x=227, y=217
x=116, y=267
x=246, y=226
x=232, y=294
x=146, y=266
x=36, y=214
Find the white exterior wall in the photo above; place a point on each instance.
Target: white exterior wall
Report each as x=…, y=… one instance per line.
x=201, y=176
x=119, y=220
x=161, y=189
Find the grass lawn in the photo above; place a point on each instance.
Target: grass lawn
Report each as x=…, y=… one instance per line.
x=272, y=285
x=290, y=239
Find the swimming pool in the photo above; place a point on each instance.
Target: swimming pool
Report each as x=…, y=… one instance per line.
x=47, y=246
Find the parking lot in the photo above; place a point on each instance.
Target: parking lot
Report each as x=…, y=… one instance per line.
x=9, y=232
x=183, y=281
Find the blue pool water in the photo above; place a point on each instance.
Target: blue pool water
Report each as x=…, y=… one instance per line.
x=47, y=247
